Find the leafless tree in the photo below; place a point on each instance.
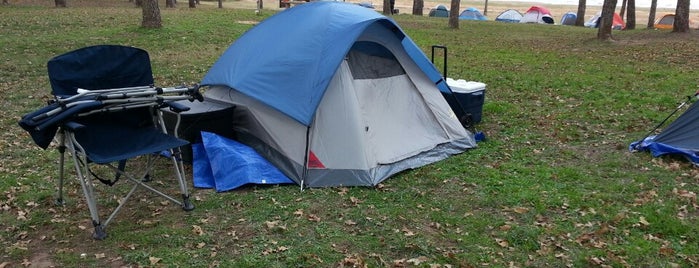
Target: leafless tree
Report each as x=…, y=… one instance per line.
x=418, y=6
x=151, y=14
x=580, y=19
x=454, y=14
x=681, y=24
x=630, y=15
x=623, y=8
x=651, y=14
x=604, y=32
x=60, y=3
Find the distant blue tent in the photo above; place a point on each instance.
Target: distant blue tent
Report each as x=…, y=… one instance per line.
x=569, y=18
x=681, y=137
x=472, y=13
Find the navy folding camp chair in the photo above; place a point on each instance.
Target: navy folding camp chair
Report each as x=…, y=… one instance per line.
x=129, y=129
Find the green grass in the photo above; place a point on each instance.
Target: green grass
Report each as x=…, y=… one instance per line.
x=553, y=186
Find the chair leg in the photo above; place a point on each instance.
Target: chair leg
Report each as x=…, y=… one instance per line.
x=86, y=183
x=61, y=168
x=176, y=157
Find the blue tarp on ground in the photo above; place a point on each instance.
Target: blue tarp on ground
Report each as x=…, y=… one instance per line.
x=242, y=165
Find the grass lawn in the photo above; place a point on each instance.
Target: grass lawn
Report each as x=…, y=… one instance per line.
x=554, y=185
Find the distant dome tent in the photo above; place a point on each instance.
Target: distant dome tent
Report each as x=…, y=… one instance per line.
x=569, y=18
x=537, y=14
x=617, y=22
x=440, y=11
x=510, y=15
x=472, y=13
x=665, y=22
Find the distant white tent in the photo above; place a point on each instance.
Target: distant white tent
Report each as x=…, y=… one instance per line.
x=509, y=15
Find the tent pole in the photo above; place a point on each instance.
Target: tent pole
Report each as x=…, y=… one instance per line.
x=689, y=98
x=305, y=157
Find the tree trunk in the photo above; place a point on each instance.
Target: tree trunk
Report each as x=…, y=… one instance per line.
x=220, y=3
x=604, y=32
x=580, y=19
x=485, y=9
x=192, y=4
x=387, y=7
x=138, y=3
x=681, y=24
x=651, y=14
x=454, y=14
x=418, y=5
x=151, y=14
x=623, y=8
x=59, y=3
x=631, y=15
x=169, y=3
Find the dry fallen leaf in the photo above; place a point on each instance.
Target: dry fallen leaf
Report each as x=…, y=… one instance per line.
x=196, y=229
x=154, y=260
x=642, y=220
x=521, y=210
x=502, y=242
x=313, y=217
x=417, y=261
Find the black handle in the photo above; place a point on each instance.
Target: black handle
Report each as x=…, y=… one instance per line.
x=444, y=68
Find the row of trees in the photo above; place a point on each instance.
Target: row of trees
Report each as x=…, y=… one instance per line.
x=628, y=7
x=151, y=13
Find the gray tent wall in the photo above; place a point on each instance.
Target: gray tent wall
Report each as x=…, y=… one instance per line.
x=366, y=128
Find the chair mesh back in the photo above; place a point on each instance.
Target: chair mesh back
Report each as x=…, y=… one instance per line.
x=103, y=67
x=99, y=67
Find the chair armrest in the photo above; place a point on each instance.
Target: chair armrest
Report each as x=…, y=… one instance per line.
x=73, y=126
x=177, y=107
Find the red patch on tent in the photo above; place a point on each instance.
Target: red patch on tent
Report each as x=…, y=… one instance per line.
x=314, y=162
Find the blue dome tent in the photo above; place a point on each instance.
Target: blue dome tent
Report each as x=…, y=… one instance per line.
x=340, y=101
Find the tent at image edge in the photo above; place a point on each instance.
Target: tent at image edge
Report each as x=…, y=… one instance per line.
x=350, y=107
x=678, y=138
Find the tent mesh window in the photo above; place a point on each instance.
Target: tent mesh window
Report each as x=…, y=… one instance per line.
x=370, y=60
